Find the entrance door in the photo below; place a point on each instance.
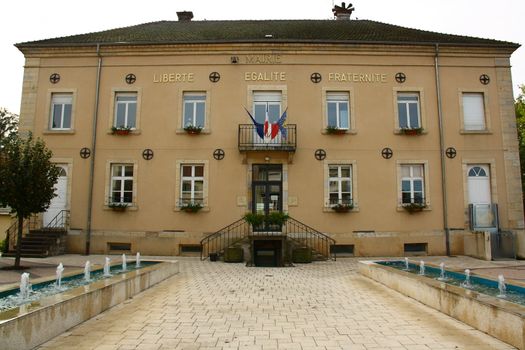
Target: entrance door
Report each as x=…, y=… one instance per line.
x=479, y=184
x=267, y=253
x=267, y=190
x=483, y=215
x=59, y=202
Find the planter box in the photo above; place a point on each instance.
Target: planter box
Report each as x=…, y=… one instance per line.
x=302, y=255
x=234, y=255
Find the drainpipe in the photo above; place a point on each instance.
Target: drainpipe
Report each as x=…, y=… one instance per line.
x=442, y=152
x=93, y=153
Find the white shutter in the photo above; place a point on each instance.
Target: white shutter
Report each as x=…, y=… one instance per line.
x=473, y=111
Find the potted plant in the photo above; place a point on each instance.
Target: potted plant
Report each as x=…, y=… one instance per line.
x=254, y=219
x=412, y=131
x=276, y=218
x=118, y=206
x=191, y=207
x=342, y=207
x=414, y=207
x=334, y=130
x=193, y=129
x=120, y=130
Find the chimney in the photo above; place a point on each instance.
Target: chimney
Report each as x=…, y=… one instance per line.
x=185, y=16
x=343, y=12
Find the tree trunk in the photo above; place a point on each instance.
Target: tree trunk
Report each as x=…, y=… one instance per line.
x=19, y=240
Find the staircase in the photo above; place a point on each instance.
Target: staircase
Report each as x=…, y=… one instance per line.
x=297, y=233
x=40, y=242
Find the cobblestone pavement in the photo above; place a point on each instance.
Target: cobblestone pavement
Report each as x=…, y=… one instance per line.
x=325, y=305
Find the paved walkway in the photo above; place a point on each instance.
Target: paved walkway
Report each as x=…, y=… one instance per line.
x=325, y=305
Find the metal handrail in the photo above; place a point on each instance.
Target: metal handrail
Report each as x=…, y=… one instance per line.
x=61, y=220
x=295, y=230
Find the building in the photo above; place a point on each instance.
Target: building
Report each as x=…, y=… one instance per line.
x=388, y=140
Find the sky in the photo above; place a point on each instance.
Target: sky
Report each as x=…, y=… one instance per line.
x=36, y=19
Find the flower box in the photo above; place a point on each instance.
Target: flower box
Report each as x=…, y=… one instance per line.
x=120, y=130
x=414, y=207
x=342, y=208
x=193, y=130
x=412, y=131
x=334, y=130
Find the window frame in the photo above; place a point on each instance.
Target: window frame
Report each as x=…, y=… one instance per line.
x=179, y=178
x=189, y=94
x=327, y=206
x=425, y=187
x=412, y=179
x=486, y=111
x=122, y=178
x=113, y=108
x=48, y=129
x=192, y=179
x=339, y=179
x=421, y=107
x=179, y=127
x=351, y=108
x=406, y=106
x=127, y=113
x=133, y=205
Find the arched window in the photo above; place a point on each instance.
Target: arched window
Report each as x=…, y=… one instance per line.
x=477, y=172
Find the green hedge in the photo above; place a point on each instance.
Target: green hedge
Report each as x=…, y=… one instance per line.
x=234, y=254
x=302, y=255
x=3, y=246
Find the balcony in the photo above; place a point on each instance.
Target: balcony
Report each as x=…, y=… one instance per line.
x=249, y=140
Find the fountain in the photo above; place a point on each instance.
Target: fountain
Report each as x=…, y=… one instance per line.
x=87, y=271
x=25, y=286
x=124, y=264
x=501, y=286
x=107, y=273
x=60, y=271
x=137, y=260
x=406, y=265
x=422, y=268
x=442, y=272
x=466, y=283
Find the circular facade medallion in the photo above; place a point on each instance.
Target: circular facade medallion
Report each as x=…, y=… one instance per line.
x=484, y=79
x=147, y=154
x=316, y=78
x=387, y=153
x=451, y=152
x=215, y=77
x=85, y=153
x=218, y=154
x=320, y=154
x=54, y=78
x=401, y=77
x=131, y=78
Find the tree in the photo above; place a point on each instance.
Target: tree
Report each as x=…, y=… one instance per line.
x=8, y=124
x=27, y=179
x=519, y=105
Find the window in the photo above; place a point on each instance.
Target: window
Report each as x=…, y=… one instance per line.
x=340, y=184
x=267, y=103
x=192, y=183
x=408, y=110
x=473, y=111
x=121, y=183
x=61, y=109
x=412, y=184
x=125, y=110
x=194, y=109
x=337, y=109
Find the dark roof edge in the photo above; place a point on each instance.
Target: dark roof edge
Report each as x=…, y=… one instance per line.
x=500, y=44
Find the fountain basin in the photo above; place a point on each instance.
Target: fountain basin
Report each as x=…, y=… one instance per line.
x=497, y=317
x=29, y=325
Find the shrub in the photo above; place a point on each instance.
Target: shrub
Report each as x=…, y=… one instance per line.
x=233, y=254
x=302, y=255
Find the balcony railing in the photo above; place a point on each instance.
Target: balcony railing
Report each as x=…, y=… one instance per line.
x=249, y=140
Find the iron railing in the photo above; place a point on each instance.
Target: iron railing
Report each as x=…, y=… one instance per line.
x=483, y=217
x=59, y=222
x=249, y=140
x=224, y=238
x=309, y=237
x=301, y=234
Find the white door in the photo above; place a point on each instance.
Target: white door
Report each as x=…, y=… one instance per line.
x=478, y=184
x=59, y=202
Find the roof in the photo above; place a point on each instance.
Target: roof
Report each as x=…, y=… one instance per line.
x=256, y=31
